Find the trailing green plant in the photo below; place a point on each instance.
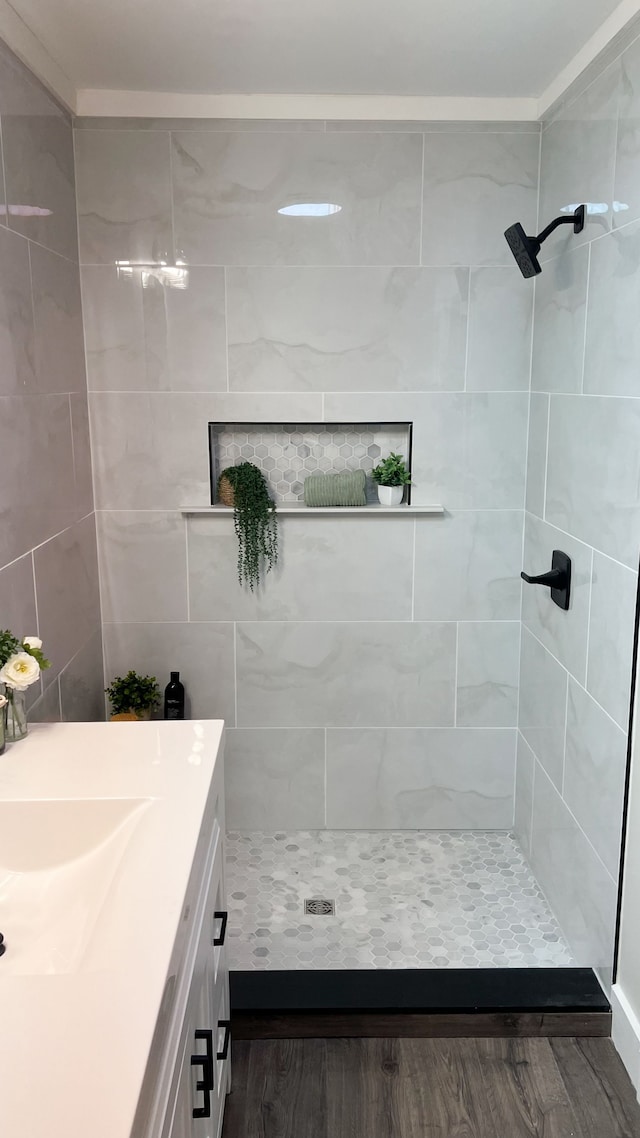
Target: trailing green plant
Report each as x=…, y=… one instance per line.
x=392, y=471
x=133, y=693
x=256, y=525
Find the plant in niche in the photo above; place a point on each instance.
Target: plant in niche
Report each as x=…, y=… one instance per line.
x=254, y=517
x=133, y=694
x=392, y=471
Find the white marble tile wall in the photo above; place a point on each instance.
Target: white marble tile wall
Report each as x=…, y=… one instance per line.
x=373, y=680
x=583, y=496
x=48, y=559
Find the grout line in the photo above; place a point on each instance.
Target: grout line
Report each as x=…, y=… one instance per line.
x=586, y=320
x=455, y=680
x=325, y=778
x=564, y=741
x=173, y=252
x=468, y=335
x=584, y=544
x=586, y=658
x=546, y=460
x=35, y=591
x=226, y=323
x=413, y=572
x=186, y=550
x=575, y=680
x=421, y=202
x=235, y=671
x=575, y=820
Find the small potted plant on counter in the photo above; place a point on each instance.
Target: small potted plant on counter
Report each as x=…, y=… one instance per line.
x=244, y=488
x=391, y=476
x=133, y=697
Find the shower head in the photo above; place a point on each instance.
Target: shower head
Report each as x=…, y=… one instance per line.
x=525, y=249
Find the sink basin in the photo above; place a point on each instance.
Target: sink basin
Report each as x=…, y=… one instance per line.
x=36, y=835
x=60, y=861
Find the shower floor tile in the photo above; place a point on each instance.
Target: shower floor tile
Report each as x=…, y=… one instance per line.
x=417, y=899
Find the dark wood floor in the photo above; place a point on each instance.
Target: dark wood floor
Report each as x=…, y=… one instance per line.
x=430, y=1088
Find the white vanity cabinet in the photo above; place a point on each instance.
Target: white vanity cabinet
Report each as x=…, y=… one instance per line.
x=188, y=1075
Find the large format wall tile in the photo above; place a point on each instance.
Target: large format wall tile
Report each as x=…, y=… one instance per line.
x=500, y=325
x=143, y=566
x=626, y=186
x=543, y=705
x=59, y=339
x=37, y=143
x=537, y=453
x=487, y=678
x=564, y=634
x=338, y=675
x=613, y=336
x=525, y=765
x=151, y=449
x=329, y=569
x=580, y=891
x=593, y=472
x=82, y=684
x=348, y=329
x=37, y=490
x=475, y=185
x=202, y=653
x=82, y=471
x=406, y=779
x=66, y=576
x=17, y=354
x=560, y=312
x=228, y=189
x=17, y=597
x=274, y=780
x=613, y=600
x=124, y=196
x=578, y=159
x=468, y=566
x=146, y=335
x=595, y=773
x=469, y=448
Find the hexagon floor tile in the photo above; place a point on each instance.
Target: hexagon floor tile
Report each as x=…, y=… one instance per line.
x=414, y=899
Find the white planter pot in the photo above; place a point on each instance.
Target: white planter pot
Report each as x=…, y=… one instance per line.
x=390, y=495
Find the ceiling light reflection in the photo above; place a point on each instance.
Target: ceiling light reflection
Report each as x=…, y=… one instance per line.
x=310, y=209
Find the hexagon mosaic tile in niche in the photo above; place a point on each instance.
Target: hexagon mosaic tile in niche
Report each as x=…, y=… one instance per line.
x=411, y=899
x=289, y=453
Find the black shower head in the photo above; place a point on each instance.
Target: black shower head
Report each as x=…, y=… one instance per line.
x=525, y=249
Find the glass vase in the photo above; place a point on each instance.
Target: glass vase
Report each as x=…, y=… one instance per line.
x=16, y=716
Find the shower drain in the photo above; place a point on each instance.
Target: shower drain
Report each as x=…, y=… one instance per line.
x=319, y=907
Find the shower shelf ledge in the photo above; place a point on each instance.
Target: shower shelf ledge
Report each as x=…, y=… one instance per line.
x=300, y=508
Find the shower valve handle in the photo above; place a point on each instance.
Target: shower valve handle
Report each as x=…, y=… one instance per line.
x=555, y=578
x=558, y=579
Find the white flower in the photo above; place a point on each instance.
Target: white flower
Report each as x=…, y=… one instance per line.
x=3, y=701
x=32, y=642
x=20, y=671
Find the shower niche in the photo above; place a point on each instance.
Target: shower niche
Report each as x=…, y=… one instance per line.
x=287, y=453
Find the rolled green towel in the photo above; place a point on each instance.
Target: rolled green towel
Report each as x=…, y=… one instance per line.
x=344, y=489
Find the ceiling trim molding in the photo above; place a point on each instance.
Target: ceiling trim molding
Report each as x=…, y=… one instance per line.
x=624, y=14
x=163, y=104
x=35, y=56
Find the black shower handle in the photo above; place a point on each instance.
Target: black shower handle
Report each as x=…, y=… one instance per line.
x=558, y=579
x=555, y=578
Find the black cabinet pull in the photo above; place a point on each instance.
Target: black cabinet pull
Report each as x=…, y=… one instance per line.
x=206, y=1083
x=226, y=1024
x=218, y=941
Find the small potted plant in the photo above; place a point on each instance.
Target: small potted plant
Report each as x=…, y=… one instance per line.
x=392, y=476
x=244, y=488
x=133, y=697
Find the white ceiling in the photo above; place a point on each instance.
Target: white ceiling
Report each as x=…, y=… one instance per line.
x=382, y=47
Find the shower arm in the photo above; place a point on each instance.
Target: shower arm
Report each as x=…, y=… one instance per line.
x=575, y=219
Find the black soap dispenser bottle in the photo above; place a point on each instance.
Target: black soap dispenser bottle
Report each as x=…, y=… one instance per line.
x=174, y=698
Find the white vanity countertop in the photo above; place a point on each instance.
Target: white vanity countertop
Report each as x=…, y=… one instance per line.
x=77, y=1017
